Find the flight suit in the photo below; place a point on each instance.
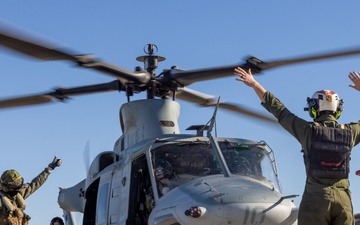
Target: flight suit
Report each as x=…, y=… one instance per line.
x=325, y=201
x=17, y=203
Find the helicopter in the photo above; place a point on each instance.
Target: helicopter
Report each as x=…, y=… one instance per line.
x=155, y=174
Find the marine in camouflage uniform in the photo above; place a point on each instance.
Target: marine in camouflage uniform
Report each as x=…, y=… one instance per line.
x=13, y=193
x=326, y=146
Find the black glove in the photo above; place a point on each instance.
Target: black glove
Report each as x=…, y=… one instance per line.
x=55, y=163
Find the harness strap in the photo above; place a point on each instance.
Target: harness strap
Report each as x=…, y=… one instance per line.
x=6, y=201
x=20, y=202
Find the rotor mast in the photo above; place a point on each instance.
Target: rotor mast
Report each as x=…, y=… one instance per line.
x=150, y=64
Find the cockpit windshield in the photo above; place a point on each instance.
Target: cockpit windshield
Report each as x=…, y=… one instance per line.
x=179, y=162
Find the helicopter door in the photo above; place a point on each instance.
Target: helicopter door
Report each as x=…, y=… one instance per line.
x=103, y=198
x=140, y=182
x=113, y=196
x=120, y=187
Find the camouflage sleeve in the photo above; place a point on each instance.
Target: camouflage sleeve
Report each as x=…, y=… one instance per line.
x=355, y=130
x=296, y=126
x=31, y=187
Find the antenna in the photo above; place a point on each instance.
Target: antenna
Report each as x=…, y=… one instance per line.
x=213, y=119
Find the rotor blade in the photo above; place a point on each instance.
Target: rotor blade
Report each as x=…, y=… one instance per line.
x=46, y=51
x=60, y=94
x=337, y=54
x=32, y=48
x=239, y=109
x=209, y=100
x=187, y=77
x=25, y=101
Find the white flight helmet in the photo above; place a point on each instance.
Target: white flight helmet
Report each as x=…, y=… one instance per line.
x=324, y=101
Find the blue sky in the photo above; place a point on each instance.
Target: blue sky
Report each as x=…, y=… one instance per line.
x=191, y=35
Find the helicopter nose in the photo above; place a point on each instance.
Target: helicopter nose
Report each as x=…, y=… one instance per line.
x=226, y=201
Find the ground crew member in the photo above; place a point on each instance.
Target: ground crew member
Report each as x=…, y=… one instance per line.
x=13, y=193
x=56, y=221
x=326, y=146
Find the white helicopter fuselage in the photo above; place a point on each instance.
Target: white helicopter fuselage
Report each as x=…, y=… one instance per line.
x=217, y=180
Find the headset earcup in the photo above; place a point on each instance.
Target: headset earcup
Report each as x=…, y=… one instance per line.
x=337, y=115
x=313, y=113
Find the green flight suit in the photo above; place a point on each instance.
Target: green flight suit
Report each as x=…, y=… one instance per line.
x=325, y=201
x=19, y=217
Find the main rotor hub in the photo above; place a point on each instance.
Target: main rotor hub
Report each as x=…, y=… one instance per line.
x=150, y=61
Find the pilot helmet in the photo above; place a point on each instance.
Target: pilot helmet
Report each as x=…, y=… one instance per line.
x=168, y=170
x=57, y=219
x=324, y=102
x=11, y=180
x=242, y=166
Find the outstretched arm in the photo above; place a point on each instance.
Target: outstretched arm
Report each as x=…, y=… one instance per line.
x=40, y=179
x=248, y=79
x=355, y=78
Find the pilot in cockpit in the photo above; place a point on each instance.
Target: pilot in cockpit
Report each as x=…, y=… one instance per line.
x=241, y=166
x=237, y=164
x=164, y=175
